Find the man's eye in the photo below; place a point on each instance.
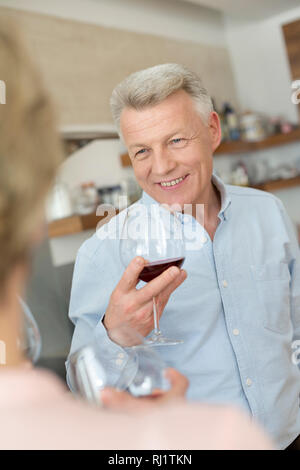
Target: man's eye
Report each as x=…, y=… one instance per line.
x=178, y=142
x=141, y=152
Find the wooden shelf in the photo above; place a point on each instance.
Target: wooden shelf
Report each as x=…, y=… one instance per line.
x=88, y=132
x=273, y=141
x=125, y=159
x=234, y=147
x=92, y=135
x=79, y=223
x=75, y=224
x=279, y=184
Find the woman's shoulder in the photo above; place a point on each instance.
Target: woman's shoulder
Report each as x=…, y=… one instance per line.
x=25, y=385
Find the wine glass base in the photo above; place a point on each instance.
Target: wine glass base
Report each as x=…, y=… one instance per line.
x=158, y=340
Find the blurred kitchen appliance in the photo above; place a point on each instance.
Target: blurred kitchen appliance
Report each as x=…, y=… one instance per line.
x=59, y=202
x=253, y=127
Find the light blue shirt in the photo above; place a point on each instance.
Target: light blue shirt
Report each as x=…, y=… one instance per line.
x=238, y=311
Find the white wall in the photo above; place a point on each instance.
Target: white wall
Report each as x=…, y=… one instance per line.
x=98, y=161
x=169, y=18
x=260, y=64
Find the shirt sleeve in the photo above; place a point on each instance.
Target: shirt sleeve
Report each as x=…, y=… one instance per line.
x=93, y=283
x=293, y=258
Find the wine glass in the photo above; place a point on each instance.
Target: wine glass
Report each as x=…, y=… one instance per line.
x=155, y=233
x=93, y=367
x=144, y=369
x=148, y=370
x=31, y=342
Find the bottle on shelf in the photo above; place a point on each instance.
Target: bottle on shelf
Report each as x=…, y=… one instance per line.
x=239, y=175
x=232, y=122
x=224, y=126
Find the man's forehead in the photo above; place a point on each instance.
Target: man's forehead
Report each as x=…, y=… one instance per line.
x=144, y=134
x=138, y=125
x=148, y=141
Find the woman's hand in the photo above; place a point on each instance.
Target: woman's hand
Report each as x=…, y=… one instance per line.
x=119, y=400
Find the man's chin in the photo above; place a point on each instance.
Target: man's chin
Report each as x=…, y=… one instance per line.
x=170, y=200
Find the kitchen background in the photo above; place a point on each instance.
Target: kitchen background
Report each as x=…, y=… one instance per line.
x=248, y=55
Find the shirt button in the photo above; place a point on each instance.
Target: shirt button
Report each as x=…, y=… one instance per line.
x=121, y=355
x=225, y=283
x=204, y=239
x=249, y=382
x=236, y=332
x=119, y=362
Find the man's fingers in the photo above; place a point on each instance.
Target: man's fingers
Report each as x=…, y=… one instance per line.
x=130, y=276
x=154, y=287
x=176, y=283
x=163, y=297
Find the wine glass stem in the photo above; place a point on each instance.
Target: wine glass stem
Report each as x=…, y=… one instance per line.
x=156, y=319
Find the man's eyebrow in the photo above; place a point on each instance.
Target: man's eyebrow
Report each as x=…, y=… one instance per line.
x=137, y=146
x=167, y=137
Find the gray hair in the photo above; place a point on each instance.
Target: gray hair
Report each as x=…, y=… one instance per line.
x=151, y=86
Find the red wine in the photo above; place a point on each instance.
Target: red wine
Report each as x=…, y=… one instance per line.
x=154, y=269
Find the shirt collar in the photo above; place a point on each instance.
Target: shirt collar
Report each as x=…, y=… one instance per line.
x=225, y=197
x=218, y=183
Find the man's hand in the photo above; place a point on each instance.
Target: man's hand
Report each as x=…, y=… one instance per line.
x=119, y=400
x=134, y=307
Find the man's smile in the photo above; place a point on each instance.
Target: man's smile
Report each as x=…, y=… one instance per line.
x=174, y=183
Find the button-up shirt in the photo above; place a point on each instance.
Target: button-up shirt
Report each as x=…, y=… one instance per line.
x=238, y=311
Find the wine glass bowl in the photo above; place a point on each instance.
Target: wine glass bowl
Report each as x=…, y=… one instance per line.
x=148, y=372
x=30, y=341
x=155, y=233
x=154, y=269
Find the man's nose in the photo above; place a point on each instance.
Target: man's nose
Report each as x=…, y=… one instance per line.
x=162, y=162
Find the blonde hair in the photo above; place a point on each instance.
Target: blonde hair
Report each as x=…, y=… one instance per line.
x=30, y=150
x=151, y=86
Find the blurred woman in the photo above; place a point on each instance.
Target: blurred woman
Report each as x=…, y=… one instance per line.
x=36, y=410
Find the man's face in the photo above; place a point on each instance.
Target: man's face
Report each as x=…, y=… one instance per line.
x=171, y=149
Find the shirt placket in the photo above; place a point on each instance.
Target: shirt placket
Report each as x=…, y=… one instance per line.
x=235, y=331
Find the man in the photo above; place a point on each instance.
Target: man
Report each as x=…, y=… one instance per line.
x=238, y=310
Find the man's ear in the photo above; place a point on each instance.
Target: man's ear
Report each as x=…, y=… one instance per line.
x=215, y=130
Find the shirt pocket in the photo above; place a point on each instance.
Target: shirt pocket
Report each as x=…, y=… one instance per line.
x=272, y=282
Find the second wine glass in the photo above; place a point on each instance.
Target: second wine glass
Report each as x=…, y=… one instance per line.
x=154, y=233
